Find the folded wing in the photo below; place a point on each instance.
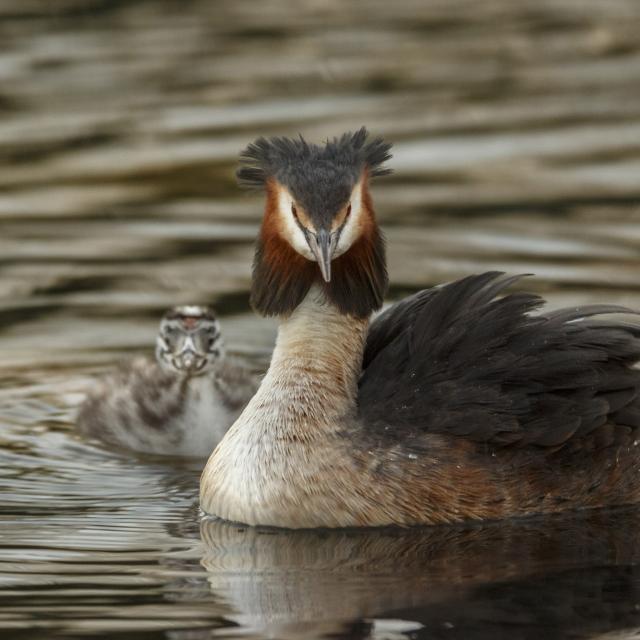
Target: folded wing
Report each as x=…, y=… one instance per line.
x=458, y=360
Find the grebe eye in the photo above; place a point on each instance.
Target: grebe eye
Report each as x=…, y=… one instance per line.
x=294, y=211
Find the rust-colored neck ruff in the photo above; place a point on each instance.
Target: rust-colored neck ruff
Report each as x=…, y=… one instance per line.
x=282, y=277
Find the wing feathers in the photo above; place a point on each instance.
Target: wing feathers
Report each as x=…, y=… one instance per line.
x=457, y=360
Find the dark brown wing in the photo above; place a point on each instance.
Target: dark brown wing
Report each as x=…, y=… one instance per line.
x=457, y=360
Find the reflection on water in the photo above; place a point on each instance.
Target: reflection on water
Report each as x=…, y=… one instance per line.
x=570, y=574
x=516, y=129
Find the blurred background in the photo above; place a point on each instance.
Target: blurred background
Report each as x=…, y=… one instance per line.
x=516, y=131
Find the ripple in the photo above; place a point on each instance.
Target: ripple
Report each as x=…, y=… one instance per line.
x=516, y=131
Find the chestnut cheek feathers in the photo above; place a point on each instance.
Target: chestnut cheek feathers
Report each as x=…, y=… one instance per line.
x=282, y=277
x=285, y=268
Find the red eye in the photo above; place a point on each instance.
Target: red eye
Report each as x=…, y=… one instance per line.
x=294, y=212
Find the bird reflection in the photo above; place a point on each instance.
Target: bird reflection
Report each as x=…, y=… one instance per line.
x=528, y=575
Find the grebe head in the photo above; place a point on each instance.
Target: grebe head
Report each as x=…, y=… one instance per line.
x=189, y=341
x=319, y=223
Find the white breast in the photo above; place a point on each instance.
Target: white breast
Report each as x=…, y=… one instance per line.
x=206, y=419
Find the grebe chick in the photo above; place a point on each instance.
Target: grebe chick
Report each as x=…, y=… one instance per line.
x=179, y=405
x=453, y=405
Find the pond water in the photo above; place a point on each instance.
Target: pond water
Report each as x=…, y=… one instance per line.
x=517, y=147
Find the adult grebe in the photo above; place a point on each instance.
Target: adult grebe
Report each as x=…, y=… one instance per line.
x=454, y=405
x=181, y=404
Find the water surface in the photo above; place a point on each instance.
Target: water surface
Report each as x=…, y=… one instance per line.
x=517, y=147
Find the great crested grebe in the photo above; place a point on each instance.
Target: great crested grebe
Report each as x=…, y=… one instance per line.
x=453, y=405
x=181, y=404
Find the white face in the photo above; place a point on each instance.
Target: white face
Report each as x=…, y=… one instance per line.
x=353, y=225
x=347, y=225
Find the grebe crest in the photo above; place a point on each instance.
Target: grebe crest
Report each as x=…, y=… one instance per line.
x=189, y=341
x=319, y=224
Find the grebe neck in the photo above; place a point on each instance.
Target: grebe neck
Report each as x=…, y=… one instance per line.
x=316, y=363
x=282, y=444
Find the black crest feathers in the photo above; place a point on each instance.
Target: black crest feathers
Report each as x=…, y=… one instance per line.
x=286, y=158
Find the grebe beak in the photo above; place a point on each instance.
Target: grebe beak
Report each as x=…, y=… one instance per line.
x=322, y=245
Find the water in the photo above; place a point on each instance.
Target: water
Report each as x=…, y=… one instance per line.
x=517, y=147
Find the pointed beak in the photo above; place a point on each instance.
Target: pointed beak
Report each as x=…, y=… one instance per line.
x=323, y=245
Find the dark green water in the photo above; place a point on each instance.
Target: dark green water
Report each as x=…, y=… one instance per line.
x=517, y=147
